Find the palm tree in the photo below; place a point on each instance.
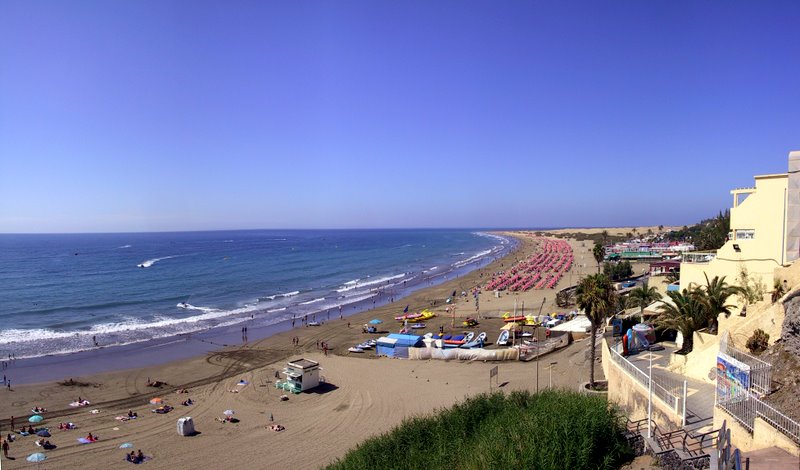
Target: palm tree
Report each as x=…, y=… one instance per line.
x=599, y=253
x=716, y=293
x=604, y=234
x=641, y=297
x=687, y=314
x=596, y=297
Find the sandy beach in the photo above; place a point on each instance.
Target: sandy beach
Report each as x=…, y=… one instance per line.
x=363, y=395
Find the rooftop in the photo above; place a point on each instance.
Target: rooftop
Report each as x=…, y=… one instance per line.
x=303, y=363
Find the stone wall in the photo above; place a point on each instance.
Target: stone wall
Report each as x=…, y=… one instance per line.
x=631, y=396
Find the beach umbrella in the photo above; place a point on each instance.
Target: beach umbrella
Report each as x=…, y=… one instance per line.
x=35, y=419
x=375, y=321
x=228, y=412
x=37, y=457
x=126, y=445
x=156, y=401
x=43, y=433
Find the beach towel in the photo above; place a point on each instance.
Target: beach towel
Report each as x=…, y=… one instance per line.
x=94, y=412
x=84, y=440
x=79, y=403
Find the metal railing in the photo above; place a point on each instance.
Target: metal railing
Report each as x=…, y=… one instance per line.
x=698, y=256
x=745, y=407
x=760, y=371
x=668, y=391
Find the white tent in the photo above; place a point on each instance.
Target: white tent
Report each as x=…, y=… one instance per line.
x=186, y=426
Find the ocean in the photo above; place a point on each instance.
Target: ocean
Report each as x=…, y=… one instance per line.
x=58, y=293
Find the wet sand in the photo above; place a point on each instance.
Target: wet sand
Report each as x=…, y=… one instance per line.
x=364, y=396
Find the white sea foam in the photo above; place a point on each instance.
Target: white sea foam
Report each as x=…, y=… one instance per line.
x=431, y=269
x=276, y=310
x=227, y=241
x=313, y=301
x=471, y=259
x=123, y=246
x=274, y=296
x=503, y=240
x=202, y=309
x=383, y=280
x=150, y=262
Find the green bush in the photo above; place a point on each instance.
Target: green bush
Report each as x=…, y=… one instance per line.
x=550, y=430
x=617, y=271
x=758, y=342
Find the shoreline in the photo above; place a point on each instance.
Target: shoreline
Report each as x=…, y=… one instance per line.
x=158, y=351
x=363, y=395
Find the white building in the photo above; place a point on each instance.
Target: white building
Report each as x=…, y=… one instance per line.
x=301, y=374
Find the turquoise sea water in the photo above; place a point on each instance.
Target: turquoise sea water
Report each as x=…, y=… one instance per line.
x=59, y=292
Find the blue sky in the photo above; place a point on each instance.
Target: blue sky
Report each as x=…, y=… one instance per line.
x=191, y=115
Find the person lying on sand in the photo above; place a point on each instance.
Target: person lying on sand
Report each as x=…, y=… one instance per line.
x=91, y=438
x=163, y=409
x=233, y=390
x=188, y=402
x=37, y=409
x=181, y=390
x=155, y=383
x=276, y=427
x=132, y=415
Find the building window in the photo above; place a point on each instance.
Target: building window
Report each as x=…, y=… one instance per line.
x=746, y=234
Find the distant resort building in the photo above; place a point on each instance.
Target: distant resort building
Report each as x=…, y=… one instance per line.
x=638, y=251
x=663, y=268
x=764, y=235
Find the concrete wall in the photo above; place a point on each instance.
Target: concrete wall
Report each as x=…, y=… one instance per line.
x=793, y=209
x=762, y=437
x=698, y=363
x=765, y=212
x=764, y=315
x=631, y=396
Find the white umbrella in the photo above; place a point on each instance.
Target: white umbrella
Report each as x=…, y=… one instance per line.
x=228, y=412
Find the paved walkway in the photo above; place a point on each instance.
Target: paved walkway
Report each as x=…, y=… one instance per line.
x=700, y=395
x=771, y=458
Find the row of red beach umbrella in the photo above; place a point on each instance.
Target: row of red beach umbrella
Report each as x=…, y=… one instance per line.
x=541, y=270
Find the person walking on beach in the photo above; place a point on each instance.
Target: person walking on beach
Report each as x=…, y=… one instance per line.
x=5, y=448
x=8, y=385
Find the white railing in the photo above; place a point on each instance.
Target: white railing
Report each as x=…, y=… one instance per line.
x=746, y=407
x=760, y=371
x=669, y=393
x=698, y=257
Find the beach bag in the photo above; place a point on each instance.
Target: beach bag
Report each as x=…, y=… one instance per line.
x=186, y=426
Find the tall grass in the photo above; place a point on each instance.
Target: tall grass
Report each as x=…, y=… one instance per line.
x=549, y=430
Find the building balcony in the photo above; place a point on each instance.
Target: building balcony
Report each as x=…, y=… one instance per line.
x=698, y=257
